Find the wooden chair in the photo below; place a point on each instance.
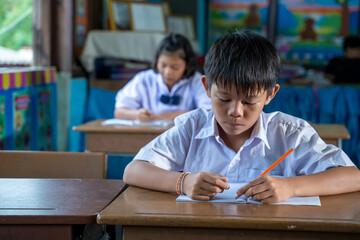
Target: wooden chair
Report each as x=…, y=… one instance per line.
x=36, y=164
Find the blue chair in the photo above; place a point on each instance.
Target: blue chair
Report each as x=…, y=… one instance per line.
x=306, y=104
x=352, y=106
x=284, y=101
x=331, y=105
x=296, y=101
x=101, y=104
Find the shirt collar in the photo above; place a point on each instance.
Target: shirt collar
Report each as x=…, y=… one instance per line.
x=176, y=86
x=260, y=129
x=211, y=129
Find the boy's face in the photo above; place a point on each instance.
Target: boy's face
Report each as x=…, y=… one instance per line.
x=236, y=114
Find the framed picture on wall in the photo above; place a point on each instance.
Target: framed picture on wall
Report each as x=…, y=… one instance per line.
x=189, y=26
x=181, y=24
x=119, y=18
x=147, y=17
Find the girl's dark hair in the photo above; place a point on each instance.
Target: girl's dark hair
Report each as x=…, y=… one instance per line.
x=243, y=59
x=173, y=43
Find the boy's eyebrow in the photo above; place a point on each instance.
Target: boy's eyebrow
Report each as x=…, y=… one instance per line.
x=223, y=92
x=255, y=95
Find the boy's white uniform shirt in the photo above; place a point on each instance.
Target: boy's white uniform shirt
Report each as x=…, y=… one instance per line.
x=194, y=145
x=146, y=88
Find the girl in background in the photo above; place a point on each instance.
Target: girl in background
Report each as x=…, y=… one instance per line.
x=170, y=88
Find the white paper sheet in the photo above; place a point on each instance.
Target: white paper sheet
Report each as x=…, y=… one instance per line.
x=228, y=196
x=125, y=122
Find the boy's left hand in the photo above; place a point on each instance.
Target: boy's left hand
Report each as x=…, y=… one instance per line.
x=267, y=189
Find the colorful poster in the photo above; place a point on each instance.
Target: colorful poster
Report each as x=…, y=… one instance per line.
x=2, y=123
x=22, y=120
x=234, y=15
x=311, y=32
x=45, y=119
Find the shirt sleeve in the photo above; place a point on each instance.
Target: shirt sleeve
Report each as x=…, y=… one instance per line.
x=200, y=97
x=130, y=95
x=167, y=151
x=313, y=155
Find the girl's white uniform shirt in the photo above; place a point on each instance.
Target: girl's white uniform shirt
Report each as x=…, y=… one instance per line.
x=146, y=88
x=194, y=145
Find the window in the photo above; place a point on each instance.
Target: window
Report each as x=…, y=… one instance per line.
x=16, y=33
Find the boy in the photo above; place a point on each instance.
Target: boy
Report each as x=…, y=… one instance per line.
x=236, y=141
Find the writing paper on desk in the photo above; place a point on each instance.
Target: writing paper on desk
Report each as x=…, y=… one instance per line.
x=126, y=122
x=228, y=196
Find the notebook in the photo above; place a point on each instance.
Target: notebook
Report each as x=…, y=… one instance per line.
x=125, y=122
x=228, y=196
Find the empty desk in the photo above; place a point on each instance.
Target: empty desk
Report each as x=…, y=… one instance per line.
x=48, y=208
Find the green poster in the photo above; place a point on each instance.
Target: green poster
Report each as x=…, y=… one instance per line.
x=22, y=120
x=44, y=122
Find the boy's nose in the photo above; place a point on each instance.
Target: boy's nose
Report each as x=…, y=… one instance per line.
x=236, y=110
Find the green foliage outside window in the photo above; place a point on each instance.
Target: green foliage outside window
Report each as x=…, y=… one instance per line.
x=16, y=23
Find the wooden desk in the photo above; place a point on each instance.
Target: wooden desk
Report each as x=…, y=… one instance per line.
x=116, y=138
x=48, y=208
x=147, y=214
x=129, y=139
x=110, y=85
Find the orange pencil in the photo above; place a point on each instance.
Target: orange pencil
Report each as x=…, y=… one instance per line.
x=273, y=165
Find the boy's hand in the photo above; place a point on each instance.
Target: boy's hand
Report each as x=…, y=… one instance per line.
x=204, y=186
x=145, y=115
x=267, y=189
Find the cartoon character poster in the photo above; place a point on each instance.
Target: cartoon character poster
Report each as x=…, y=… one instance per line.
x=22, y=120
x=311, y=32
x=2, y=123
x=45, y=119
x=236, y=15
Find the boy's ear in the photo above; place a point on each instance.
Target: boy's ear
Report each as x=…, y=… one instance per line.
x=205, y=83
x=272, y=94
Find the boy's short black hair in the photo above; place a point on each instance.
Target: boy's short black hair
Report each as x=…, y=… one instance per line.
x=244, y=59
x=352, y=42
x=177, y=43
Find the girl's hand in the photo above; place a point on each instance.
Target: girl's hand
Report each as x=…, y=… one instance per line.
x=267, y=189
x=145, y=115
x=204, y=186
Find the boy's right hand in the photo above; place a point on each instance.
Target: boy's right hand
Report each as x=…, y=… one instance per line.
x=204, y=186
x=145, y=115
